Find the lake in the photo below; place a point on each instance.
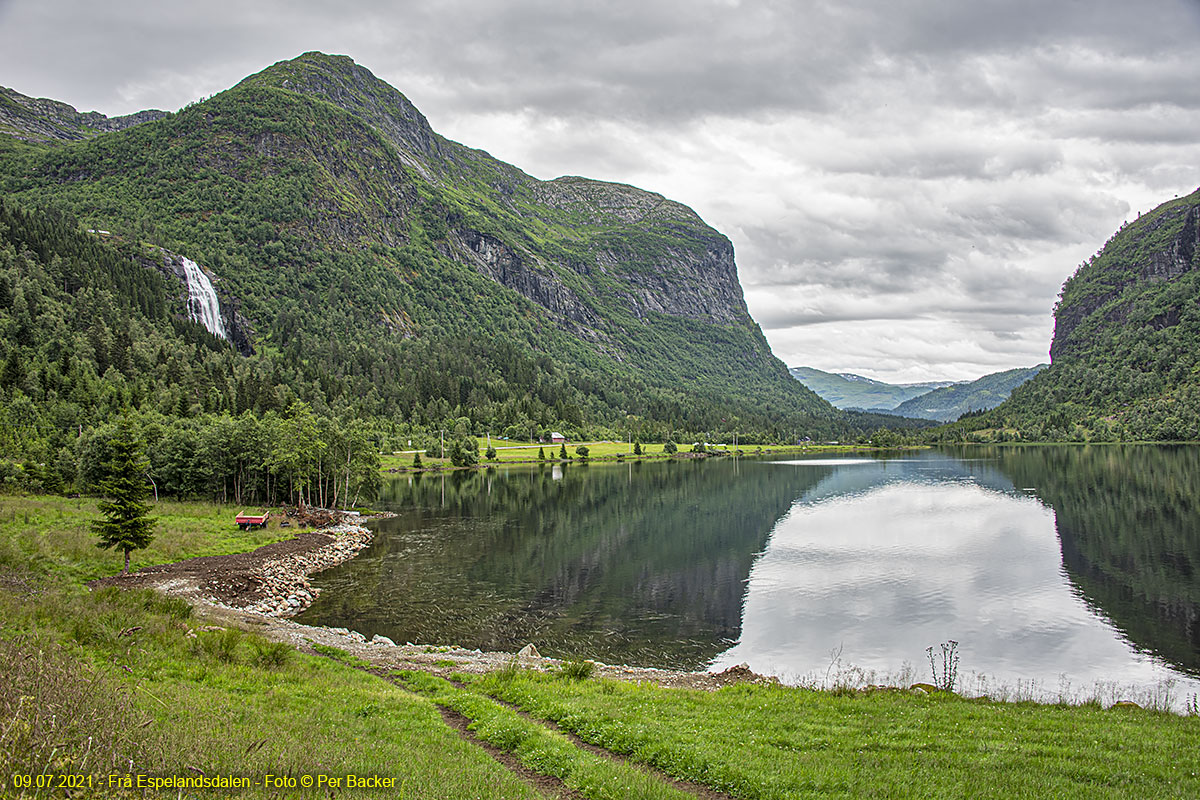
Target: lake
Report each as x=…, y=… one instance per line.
x=1059, y=571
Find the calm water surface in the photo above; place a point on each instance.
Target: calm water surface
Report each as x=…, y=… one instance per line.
x=1056, y=568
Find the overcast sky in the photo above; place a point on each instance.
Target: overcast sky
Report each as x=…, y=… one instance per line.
x=907, y=183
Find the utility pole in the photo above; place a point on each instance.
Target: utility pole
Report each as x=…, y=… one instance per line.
x=442, y=438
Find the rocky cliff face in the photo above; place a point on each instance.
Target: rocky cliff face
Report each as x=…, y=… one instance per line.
x=40, y=120
x=239, y=329
x=674, y=265
x=1159, y=247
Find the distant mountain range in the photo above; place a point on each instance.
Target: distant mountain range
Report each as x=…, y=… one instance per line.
x=846, y=390
x=951, y=402
x=943, y=401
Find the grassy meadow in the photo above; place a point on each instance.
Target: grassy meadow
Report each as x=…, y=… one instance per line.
x=110, y=683
x=51, y=534
x=521, y=452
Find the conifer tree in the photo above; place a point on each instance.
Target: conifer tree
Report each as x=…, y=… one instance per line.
x=125, y=525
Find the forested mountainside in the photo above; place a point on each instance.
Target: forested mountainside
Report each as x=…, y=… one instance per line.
x=951, y=402
x=849, y=391
x=1125, y=359
x=366, y=268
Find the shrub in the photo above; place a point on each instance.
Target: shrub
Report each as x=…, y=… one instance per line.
x=670, y=447
x=464, y=452
x=582, y=450
x=219, y=645
x=270, y=655
x=577, y=670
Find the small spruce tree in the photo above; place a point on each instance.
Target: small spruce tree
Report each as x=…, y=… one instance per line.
x=125, y=525
x=490, y=454
x=562, y=452
x=637, y=448
x=541, y=454
x=417, y=460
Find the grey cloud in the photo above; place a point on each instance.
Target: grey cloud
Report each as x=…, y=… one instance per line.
x=1150, y=124
x=932, y=166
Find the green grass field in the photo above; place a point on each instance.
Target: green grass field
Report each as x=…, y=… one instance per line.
x=512, y=452
x=51, y=534
x=90, y=681
x=777, y=742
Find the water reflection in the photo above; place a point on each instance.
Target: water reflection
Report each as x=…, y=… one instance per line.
x=1128, y=518
x=1041, y=561
x=639, y=562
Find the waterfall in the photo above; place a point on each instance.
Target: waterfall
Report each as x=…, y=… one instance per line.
x=202, y=299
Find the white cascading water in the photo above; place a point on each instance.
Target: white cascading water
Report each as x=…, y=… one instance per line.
x=202, y=299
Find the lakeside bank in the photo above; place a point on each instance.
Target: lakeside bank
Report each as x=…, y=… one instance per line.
x=215, y=698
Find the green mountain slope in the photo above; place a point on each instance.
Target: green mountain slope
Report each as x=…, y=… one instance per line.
x=849, y=391
x=1125, y=360
x=951, y=402
x=385, y=271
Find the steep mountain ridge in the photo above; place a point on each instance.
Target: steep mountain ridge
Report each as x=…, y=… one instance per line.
x=392, y=272
x=1125, y=359
x=40, y=119
x=1108, y=290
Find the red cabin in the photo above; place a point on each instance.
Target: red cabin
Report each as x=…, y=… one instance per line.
x=248, y=521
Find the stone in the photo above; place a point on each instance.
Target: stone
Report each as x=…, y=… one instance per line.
x=378, y=639
x=529, y=651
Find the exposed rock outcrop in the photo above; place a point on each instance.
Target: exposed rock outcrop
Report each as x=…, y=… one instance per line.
x=1160, y=246
x=38, y=119
x=237, y=326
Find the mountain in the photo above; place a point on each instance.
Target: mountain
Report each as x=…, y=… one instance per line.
x=42, y=120
x=948, y=403
x=378, y=270
x=1125, y=359
x=849, y=391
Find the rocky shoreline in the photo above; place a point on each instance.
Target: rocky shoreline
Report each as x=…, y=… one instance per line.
x=285, y=585
x=260, y=590
x=272, y=580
